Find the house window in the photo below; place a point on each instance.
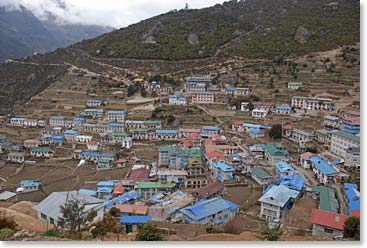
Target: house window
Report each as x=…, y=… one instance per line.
x=52, y=221
x=327, y=230
x=43, y=216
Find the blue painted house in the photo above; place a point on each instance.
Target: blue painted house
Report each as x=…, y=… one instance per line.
x=214, y=211
x=131, y=222
x=353, y=196
x=324, y=172
x=209, y=131
x=223, y=172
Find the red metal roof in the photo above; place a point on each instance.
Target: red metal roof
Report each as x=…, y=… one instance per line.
x=237, y=122
x=328, y=219
x=356, y=213
x=307, y=155
x=188, y=143
x=194, y=136
x=118, y=190
x=139, y=175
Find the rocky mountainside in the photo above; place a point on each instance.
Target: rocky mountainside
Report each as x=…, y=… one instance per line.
x=187, y=40
x=23, y=34
x=280, y=27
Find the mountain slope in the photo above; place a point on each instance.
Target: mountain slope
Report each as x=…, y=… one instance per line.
x=283, y=27
x=22, y=34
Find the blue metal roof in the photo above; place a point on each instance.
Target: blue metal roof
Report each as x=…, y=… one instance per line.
x=58, y=137
x=123, y=112
x=283, y=107
x=206, y=208
x=116, y=124
x=131, y=195
x=164, y=131
x=283, y=167
x=91, y=154
x=104, y=184
x=251, y=125
x=79, y=119
x=28, y=184
x=223, y=166
x=351, y=190
x=135, y=219
x=88, y=192
x=232, y=206
x=210, y=128
x=323, y=165
x=104, y=190
x=256, y=131
x=71, y=132
x=18, y=118
x=94, y=100
x=293, y=181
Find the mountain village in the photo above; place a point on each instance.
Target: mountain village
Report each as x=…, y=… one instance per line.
x=193, y=156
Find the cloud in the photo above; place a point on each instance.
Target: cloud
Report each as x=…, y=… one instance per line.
x=114, y=13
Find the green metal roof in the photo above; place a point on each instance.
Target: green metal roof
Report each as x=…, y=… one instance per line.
x=155, y=185
x=260, y=173
x=328, y=200
x=120, y=134
x=40, y=149
x=276, y=150
x=195, y=153
x=348, y=136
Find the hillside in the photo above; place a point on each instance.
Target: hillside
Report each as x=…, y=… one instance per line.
x=179, y=43
x=22, y=33
x=279, y=27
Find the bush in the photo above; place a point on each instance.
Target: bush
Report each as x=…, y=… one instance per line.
x=51, y=233
x=352, y=228
x=271, y=234
x=7, y=222
x=148, y=232
x=213, y=230
x=6, y=233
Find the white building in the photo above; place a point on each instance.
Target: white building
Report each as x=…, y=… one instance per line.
x=116, y=115
x=177, y=100
x=57, y=121
x=331, y=121
x=259, y=113
x=341, y=141
x=312, y=103
x=202, y=97
x=49, y=209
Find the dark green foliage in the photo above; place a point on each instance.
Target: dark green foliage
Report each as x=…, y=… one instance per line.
x=51, y=233
x=352, y=228
x=74, y=217
x=170, y=119
x=148, y=232
x=275, y=131
x=132, y=89
x=100, y=230
x=275, y=22
x=271, y=234
x=114, y=212
x=312, y=149
x=214, y=230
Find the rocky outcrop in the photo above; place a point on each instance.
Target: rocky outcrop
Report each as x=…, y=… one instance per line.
x=302, y=35
x=193, y=39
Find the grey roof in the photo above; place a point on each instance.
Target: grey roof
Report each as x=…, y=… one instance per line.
x=50, y=206
x=6, y=195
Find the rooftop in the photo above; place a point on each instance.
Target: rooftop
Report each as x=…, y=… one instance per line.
x=328, y=219
x=154, y=185
x=278, y=195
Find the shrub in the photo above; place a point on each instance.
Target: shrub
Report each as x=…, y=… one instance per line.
x=7, y=222
x=6, y=233
x=51, y=233
x=213, y=230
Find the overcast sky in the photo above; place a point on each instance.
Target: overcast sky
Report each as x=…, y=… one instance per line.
x=114, y=13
